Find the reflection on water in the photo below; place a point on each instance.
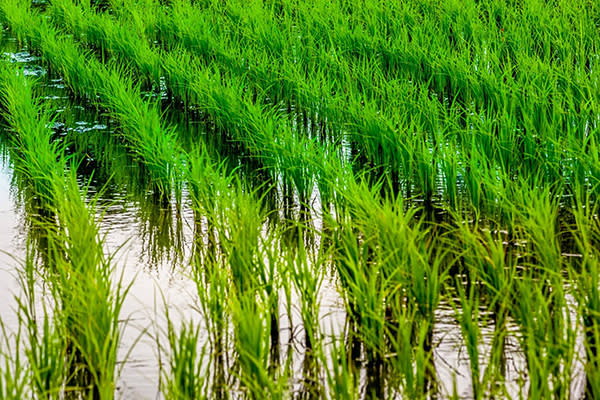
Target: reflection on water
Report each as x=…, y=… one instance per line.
x=12, y=242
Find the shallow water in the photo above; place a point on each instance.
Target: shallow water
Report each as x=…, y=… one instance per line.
x=11, y=246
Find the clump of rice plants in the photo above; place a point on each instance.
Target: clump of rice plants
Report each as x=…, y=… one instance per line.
x=13, y=380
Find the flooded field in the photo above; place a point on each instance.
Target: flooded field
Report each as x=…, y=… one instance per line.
x=283, y=199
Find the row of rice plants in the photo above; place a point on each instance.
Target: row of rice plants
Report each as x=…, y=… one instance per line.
x=89, y=25
x=108, y=87
x=445, y=41
x=533, y=98
x=72, y=345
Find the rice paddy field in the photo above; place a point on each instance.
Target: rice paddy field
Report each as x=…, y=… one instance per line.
x=288, y=199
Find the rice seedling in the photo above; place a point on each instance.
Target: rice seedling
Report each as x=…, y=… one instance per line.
x=212, y=287
x=543, y=313
x=185, y=377
x=13, y=379
x=251, y=266
x=90, y=300
x=491, y=267
x=46, y=348
x=308, y=278
x=342, y=380
x=252, y=327
x=389, y=264
x=209, y=184
x=586, y=236
x=409, y=356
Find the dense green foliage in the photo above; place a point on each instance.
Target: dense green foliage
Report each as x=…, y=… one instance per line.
x=425, y=156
